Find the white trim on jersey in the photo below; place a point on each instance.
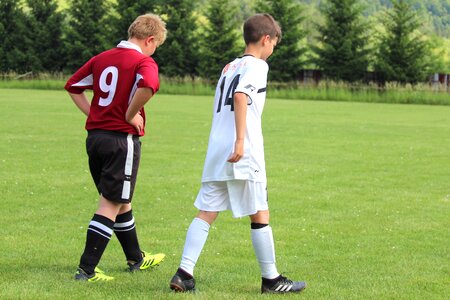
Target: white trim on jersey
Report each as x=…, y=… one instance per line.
x=135, y=86
x=126, y=190
x=86, y=81
x=129, y=45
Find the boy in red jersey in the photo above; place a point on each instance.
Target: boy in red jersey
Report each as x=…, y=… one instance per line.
x=123, y=79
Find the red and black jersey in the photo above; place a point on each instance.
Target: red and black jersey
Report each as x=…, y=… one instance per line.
x=114, y=76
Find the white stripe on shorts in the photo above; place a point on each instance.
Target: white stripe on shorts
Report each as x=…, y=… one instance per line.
x=128, y=167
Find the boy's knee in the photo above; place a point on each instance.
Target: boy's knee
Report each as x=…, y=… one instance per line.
x=207, y=216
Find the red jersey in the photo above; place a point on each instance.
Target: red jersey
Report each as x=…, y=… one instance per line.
x=114, y=76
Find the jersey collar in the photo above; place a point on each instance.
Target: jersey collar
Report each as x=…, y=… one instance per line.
x=246, y=55
x=129, y=45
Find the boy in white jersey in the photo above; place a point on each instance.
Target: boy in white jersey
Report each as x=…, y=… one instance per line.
x=234, y=175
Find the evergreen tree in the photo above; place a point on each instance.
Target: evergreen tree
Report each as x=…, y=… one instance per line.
x=402, y=53
x=125, y=12
x=87, y=31
x=179, y=54
x=343, y=54
x=46, y=24
x=218, y=42
x=15, y=41
x=287, y=58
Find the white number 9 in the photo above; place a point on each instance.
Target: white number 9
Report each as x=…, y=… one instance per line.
x=108, y=88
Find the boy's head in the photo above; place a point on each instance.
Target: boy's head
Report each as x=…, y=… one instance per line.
x=148, y=25
x=260, y=25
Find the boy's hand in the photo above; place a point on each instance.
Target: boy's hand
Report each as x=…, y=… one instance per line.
x=138, y=122
x=238, y=151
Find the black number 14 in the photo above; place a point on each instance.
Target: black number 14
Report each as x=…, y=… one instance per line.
x=230, y=92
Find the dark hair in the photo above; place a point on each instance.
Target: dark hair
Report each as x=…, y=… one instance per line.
x=260, y=25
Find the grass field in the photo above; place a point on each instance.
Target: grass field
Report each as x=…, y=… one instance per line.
x=359, y=196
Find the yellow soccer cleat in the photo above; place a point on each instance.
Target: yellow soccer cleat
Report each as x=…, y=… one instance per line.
x=148, y=261
x=98, y=275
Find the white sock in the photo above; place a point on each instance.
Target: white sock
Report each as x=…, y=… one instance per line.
x=263, y=245
x=195, y=240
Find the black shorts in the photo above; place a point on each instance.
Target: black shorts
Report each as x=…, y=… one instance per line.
x=114, y=161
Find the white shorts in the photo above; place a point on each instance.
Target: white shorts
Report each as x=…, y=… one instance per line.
x=242, y=197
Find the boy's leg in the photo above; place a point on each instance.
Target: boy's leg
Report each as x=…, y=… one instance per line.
x=98, y=234
x=263, y=245
x=196, y=237
x=262, y=239
x=212, y=198
x=125, y=230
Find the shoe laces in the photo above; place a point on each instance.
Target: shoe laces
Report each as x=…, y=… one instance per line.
x=285, y=280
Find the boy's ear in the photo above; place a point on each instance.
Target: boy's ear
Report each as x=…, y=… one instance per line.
x=266, y=39
x=149, y=39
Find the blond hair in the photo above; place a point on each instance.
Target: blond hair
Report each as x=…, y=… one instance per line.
x=148, y=25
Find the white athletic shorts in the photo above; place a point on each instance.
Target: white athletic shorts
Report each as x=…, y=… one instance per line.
x=242, y=197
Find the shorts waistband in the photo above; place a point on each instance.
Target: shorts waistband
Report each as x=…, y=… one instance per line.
x=110, y=132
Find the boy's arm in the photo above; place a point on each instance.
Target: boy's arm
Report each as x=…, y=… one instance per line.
x=240, y=116
x=140, y=98
x=81, y=102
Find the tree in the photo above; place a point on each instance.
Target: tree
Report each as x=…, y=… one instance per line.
x=402, y=53
x=87, y=31
x=342, y=53
x=288, y=57
x=219, y=41
x=46, y=24
x=15, y=41
x=179, y=54
x=125, y=12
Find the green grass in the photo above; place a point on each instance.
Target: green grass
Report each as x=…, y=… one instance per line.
x=359, y=196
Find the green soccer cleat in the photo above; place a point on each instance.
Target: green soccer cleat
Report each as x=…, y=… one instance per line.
x=98, y=275
x=148, y=261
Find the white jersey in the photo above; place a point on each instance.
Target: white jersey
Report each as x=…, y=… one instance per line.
x=247, y=75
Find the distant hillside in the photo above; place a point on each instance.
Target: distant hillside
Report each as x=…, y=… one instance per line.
x=435, y=13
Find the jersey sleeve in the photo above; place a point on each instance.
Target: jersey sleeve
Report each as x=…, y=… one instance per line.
x=253, y=79
x=148, y=74
x=81, y=79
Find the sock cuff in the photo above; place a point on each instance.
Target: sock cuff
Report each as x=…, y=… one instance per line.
x=262, y=230
x=258, y=225
x=126, y=223
x=125, y=217
x=103, y=220
x=102, y=226
x=203, y=224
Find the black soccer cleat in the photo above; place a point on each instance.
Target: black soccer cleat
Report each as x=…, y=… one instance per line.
x=181, y=282
x=282, y=285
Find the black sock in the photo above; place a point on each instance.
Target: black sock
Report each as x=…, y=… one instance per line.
x=98, y=235
x=125, y=230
